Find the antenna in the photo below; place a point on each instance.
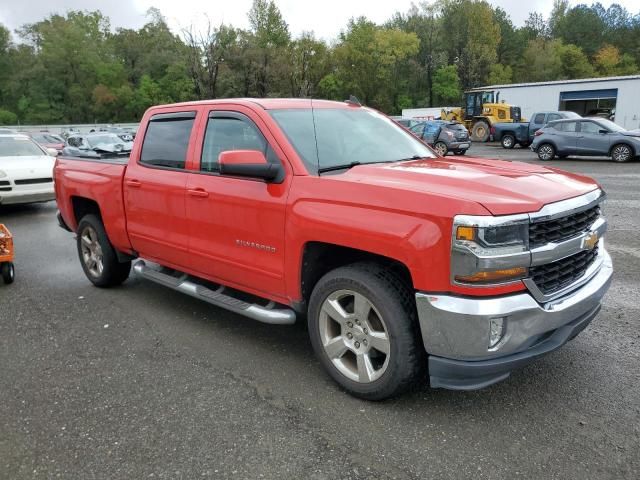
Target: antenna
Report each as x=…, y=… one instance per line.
x=353, y=100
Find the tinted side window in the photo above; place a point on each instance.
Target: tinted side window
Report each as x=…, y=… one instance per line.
x=231, y=133
x=589, y=127
x=553, y=116
x=539, y=119
x=167, y=139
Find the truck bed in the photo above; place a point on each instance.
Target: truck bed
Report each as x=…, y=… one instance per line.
x=81, y=181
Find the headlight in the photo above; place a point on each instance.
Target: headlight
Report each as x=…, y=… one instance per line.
x=2, y=174
x=489, y=250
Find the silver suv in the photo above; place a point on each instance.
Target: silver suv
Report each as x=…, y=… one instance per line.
x=589, y=137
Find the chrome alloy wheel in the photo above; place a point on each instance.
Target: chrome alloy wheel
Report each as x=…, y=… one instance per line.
x=354, y=336
x=441, y=149
x=545, y=152
x=621, y=153
x=91, y=251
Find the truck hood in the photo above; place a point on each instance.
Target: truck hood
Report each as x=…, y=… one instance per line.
x=502, y=187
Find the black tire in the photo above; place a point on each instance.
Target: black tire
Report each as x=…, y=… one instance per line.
x=508, y=141
x=8, y=272
x=480, y=131
x=441, y=148
x=546, y=152
x=621, y=153
x=113, y=272
x=394, y=300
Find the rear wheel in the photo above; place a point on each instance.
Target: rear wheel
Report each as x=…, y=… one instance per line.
x=441, y=148
x=97, y=256
x=508, y=141
x=363, y=328
x=546, y=152
x=480, y=131
x=621, y=153
x=8, y=272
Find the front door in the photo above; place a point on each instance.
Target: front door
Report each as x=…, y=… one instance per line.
x=591, y=141
x=236, y=225
x=154, y=189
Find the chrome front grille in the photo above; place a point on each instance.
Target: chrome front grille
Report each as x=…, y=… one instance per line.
x=551, y=231
x=557, y=275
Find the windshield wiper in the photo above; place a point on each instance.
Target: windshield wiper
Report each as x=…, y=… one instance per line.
x=345, y=166
x=413, y=157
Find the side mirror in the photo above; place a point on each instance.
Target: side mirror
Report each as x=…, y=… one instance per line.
x=603, y=131
x=248, y=163
x=52, y=151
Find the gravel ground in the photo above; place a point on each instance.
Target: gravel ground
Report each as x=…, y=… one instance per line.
x=143, y=382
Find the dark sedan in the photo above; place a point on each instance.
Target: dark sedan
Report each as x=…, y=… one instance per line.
x=587, y=137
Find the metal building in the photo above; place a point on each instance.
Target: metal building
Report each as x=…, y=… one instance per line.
x=617, y=98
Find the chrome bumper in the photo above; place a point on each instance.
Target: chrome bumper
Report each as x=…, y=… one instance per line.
x=24, y=197
x=457, y=328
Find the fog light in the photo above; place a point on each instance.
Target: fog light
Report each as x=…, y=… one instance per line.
x=496, y=331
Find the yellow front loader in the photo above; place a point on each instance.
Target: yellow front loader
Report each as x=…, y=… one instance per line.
x=481, y=111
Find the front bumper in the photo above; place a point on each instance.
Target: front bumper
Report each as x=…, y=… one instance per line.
x=27, y=197
x=455, y=330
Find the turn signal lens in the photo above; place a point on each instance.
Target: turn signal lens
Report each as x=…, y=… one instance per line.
x=466, y=233
x=494, y=276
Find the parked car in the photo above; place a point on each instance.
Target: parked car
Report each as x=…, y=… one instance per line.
x=511, y=134
x=96, y=145
x=443, y=136
x=47, y=140
x=26, y=170
x=401, y=262
x=586, y=137
x=407, y=122
x=124, y=134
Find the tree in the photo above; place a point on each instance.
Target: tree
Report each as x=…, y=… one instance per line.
x=581, y=26
x=575, y=63
x=271, y=34
x=500, y=74
x=446, y=86
x=608, y=61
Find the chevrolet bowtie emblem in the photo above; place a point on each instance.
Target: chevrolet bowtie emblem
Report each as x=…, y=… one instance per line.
x=590, y=241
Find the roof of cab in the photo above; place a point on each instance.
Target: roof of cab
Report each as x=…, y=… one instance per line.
x=267, y=103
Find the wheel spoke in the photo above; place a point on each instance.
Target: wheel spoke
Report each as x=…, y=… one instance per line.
x=336, y=348
x=365, y=368
x=335, y=311
x=379, y=341
x=361, y=307
x=86, y=240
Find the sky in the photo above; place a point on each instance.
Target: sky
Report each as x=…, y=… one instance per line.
x=325, y=17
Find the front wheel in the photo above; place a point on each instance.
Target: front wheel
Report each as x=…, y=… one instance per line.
x=508, y=141
x=621, y=153
x=546, y=152
x=363, y=328
x=8, y=272
x=97, y=256
x=480, y=132
x=441, y=148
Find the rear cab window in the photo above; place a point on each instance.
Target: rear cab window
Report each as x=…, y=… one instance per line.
x=166, y=140
x=539, y=119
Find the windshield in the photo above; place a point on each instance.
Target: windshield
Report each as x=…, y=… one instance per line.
x=18, y=147
x=609, y=125
x=329, y=137
x=107, y=138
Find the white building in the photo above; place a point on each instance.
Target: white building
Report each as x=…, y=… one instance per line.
x=618, y=95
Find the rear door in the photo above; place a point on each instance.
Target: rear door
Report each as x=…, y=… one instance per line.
x=564, y=135
x=591, y=141
x=237, y=225
x=154, y=189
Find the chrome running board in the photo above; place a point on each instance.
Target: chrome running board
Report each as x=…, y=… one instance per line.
x=186, y=284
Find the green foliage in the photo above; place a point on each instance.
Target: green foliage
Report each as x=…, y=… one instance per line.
x=7, y=117
x=76, y=68
x=446, y=86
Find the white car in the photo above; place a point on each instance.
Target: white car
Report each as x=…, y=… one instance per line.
x=26, y=170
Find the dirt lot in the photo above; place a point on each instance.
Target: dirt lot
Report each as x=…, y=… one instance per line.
x=142, y=382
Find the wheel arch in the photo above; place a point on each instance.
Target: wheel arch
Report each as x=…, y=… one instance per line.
x=319, y=258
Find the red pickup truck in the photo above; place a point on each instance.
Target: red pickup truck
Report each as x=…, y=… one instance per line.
x=404, y=263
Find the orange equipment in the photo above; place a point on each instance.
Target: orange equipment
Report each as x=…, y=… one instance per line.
x=6, y=255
